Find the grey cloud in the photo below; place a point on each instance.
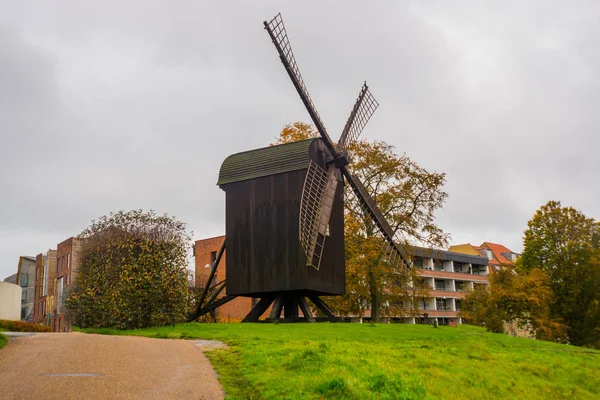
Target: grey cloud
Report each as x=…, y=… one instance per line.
x=113, y=105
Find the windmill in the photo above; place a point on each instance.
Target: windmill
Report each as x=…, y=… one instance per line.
x=284, y=213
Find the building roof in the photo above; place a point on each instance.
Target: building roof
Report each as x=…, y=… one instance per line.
x=11, y=279
x=265, y=161
x=448, y=255
x=498, y=252
x=466, y=248
x=30, y=258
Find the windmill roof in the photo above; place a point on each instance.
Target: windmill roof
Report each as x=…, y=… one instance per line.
x=265, y=161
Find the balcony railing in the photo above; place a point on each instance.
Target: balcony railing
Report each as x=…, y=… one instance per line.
x=476, y=273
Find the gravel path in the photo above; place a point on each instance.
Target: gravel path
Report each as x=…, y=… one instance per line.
x=81, y=366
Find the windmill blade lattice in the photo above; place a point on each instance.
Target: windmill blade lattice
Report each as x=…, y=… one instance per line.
x=363, y=110
x=278, y=34
x=315, y=186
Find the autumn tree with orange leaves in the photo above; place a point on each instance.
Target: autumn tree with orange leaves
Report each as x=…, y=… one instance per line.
x=408, y=195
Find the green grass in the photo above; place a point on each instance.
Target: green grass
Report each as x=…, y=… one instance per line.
x=3, y=340
x=363, y=361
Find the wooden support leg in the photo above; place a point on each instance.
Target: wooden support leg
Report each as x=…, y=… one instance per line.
x=305, y=310
x=276, y=309
x=258, y=309
x=323, y=307
x=290, y=308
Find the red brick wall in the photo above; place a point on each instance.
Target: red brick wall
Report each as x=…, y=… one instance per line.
x=39, y=311
x=234, y=310
x=67, y=264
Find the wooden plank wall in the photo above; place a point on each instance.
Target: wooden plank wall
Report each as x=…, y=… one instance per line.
x=264, y=254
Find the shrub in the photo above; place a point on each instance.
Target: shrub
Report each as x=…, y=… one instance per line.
x=21, y=326
x=133, y=272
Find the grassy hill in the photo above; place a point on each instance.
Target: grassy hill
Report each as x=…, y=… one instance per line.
x=363, y=361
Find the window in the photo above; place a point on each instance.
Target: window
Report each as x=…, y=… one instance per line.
x=418, y=262
x=24, y=294
x=459, y=286
x=59, y=295
x=439, y=285
x=24, y=279
x=23, y=313
x=213, y=256
x=45, y=277
x=69, y=260
x=441, y=305
x=490, y=255
x=438, y=265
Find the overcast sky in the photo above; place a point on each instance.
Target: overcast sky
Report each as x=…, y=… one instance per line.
x=119, y=105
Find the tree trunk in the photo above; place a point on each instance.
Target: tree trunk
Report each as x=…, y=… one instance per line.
x=375, y=300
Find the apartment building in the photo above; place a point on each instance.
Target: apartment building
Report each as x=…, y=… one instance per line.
x=448, y=274
x=45, y=272
x=26, y=279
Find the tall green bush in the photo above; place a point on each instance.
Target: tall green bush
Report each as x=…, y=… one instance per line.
x=133, y=272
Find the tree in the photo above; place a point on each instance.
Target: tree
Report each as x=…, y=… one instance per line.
x=408, y=195
x=133, y=272
x=513, y=297
x=296, y=131
x=565, y=244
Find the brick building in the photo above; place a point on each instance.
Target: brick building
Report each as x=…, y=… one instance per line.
x=205, y=252
x=55, y=273
x=43, y=300
x=67, y=265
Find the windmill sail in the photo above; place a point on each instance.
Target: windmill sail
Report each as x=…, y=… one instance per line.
x=278, y=34
x=361, y=113
x=319, y=186
x=315, y=210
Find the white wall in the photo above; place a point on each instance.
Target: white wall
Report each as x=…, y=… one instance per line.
x=10, y=301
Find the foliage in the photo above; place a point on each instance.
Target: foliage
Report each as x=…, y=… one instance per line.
x=21, y=326
x=296, y=131
x=3, y=340
x=389, y=361
x=522, y=298
x=133, y=272
x=408, y=196
x=565, y=244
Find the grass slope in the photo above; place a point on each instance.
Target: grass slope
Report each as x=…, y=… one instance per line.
x=3, y=340
x=362, y=361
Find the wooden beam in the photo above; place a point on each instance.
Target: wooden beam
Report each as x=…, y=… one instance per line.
x=305, y=309
x=276, y=309
x=258, y=309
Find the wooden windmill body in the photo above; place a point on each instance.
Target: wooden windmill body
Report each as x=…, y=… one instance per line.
x=265, y=256
x=285, y=213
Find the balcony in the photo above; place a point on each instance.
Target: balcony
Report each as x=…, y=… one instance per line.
x=446, y=293
x=452, y=275
x=439, y=313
